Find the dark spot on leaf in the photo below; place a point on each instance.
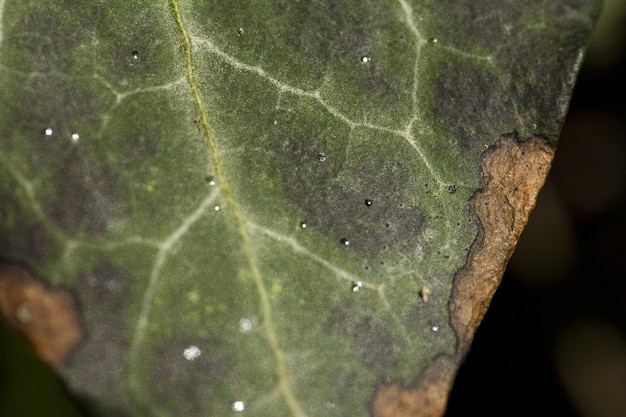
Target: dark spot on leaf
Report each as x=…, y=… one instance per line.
x=103, y=290
x=374, y=339
x=486, y=108
x=86, y=195
x=336, y=207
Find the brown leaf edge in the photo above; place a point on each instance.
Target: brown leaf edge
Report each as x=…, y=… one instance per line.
x=512, y=173
x=45, y=316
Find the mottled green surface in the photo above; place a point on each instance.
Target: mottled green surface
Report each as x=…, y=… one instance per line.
x=197, y=173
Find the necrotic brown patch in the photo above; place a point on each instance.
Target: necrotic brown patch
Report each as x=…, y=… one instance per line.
x=512, y=175
x=513, y=172
x=45, y=316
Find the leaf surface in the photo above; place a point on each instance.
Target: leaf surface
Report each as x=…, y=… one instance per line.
x=261, y=207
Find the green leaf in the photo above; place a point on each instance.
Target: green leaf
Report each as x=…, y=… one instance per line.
x=261, y=207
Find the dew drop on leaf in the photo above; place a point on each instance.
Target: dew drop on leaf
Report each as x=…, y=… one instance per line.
x=238, y=406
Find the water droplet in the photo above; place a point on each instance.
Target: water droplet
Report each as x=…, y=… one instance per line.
x=452, y=189
x=246, y=325
x=192, y=352
x=75, y=137
x=238, y=406
x=432, y=40
x=217, y=208
x=135, y=54
x=345, y=242
x=303, y=225
x=366, y=59
x=48, y=131
x=356, y=286
x=368, y=203
x=435, y=328
x=239, y=31
x=322, y=157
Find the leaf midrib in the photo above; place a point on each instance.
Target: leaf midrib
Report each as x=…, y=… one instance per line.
x=209, y=137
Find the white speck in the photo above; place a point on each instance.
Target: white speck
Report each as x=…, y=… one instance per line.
x=212, y=182
x=303, y=225
x=356, y=286
x=366, y=59
x=75, y=137
x=192, y=353
x=48, y=131
x=238, y=406
x=275, y=122
x=435, y=328
x=245, y=325
x=217, y=208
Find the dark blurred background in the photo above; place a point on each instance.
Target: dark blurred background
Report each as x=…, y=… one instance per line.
x=553, y=342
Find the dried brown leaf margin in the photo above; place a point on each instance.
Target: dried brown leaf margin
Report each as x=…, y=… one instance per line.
x=512, y=173
x=45, y=316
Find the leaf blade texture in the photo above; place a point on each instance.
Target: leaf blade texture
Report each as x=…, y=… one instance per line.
x=250, y=200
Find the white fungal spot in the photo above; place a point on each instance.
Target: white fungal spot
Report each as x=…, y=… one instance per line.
x=246, y=325
x=238, y=406
x=192, y=352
